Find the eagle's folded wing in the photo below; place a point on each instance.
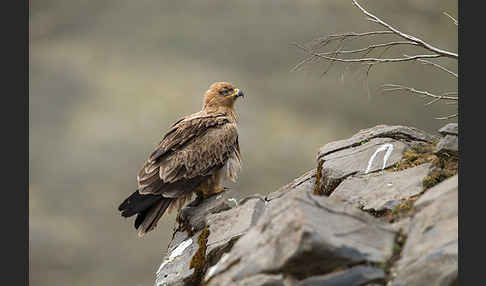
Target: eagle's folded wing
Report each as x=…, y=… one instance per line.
x=191, y=150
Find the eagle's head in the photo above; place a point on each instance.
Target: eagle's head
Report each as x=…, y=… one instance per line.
x=221, y=95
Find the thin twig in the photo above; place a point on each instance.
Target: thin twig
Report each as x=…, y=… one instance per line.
x=452, y=18
x=450, y=93
x=301, y=63
x=420, y=42
x=379, y=56
x=369, y=48
x=325, y=40
x=422, y=93
x=437, y=66
x=370, y=66
x=433, y=101
x=370, y=60
x=340, y=46
x=329, y=38
x=442, y=97
x=448, y=117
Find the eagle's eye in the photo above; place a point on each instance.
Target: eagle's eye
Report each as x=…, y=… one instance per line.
x=226, y=92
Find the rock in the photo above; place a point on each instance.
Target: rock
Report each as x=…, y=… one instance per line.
x=303, y=235
x=450, y=129
x=401, y=225
x=445, y=187
x=368, y=151
x=449, y=144
x=262, y=280
x=194, y=214
x=382, y=191
x=304, y=182
x=293, y=236
x=175, y=269
x=226, y=227
x=371, y=156
x=191, y=218
x=397, y=132
x=430, y=254
x=355, y=276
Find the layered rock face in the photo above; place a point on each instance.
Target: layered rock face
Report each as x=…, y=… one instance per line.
x=380, y=208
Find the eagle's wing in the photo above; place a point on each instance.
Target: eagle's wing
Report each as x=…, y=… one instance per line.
x=191, y=150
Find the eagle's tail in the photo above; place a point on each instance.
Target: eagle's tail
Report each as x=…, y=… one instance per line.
x=148, y=208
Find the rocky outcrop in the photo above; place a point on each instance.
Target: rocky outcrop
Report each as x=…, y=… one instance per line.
x=449, y=144
x=430, y=253
x=380, y=208
x=367, y=152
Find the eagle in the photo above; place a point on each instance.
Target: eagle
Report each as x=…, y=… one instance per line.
x=195, y=155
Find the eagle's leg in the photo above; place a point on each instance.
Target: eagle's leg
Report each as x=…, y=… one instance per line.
x=218, y=190
x=211, y=186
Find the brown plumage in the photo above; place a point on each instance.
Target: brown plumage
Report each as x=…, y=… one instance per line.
x=195, y=155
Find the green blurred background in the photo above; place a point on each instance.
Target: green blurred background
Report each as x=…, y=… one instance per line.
x=108, y=77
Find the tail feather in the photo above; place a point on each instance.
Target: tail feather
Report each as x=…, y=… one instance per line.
x=150, y=208
x=140, y=218
x=137, y=203
x=148, y=220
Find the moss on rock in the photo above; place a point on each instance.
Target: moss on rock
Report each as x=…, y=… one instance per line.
x=417, y=155
x=317, y=190
x=443, y=165
x=198, y=260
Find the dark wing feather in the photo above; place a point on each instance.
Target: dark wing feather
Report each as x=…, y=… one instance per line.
x=191, y=150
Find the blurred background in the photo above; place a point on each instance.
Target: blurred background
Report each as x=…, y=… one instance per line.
x=108, y=77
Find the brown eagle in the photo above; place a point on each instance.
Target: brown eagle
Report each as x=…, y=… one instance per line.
x=195, y=155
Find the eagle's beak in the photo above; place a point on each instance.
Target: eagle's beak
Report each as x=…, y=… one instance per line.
x=239, y=93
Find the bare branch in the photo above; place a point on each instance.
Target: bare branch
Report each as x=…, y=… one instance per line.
x=437, y=66
x=327, y=39
x=433, y=101
x=379, y=56
x=452, y=18
x=368, y=70
x=421, y=93
x=369, y=48
x=419, y=42
x=369, y=60
x=450, y=93
x=340, y=46
x=441, y=97
x=362, y=55
x=448, y=117
x=301, y=63
x=304, y=61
